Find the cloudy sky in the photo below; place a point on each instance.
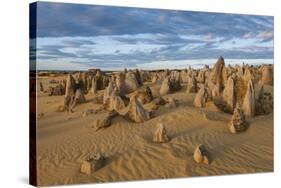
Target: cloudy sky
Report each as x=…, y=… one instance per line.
x=78, y=37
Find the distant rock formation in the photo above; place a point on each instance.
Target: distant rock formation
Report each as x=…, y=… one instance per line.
x=100, y=79
x=57, y=90
x=155, y=78
x=175, y=81
x=201, y=76
x=138, y=77
x=192, y=85
x=184, y=76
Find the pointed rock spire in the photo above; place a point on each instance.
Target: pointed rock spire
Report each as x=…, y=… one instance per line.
x=238, y=122
x=216, y=75
x=201, y=97
x=136, y=112
x=165, y=86
x=267, y=75
x=229, y=94
x=249, y=100
x=70, y=86
x=192, y=85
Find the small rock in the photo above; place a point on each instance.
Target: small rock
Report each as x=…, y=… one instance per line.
x=40, y=114
x=88, y=112
x=160, y=134
x=104, y=122
x=201, y=155
x=159, y=101
x=92, y=164
x=61, y=108
x=85, y=114
x=171, y=103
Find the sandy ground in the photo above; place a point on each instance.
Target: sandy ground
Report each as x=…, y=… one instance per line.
x=66, y=139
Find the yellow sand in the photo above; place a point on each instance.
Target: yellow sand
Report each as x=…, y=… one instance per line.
x=65, y=139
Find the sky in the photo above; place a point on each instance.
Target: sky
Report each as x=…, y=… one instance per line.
x=79, y=37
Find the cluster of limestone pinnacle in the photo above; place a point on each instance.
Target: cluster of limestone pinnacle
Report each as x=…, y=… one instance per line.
x=236, y=90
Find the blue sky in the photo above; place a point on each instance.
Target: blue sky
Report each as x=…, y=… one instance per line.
x=74, y=36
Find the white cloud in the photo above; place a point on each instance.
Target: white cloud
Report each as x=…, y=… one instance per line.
x=138, y=50
x=103, y=45
x=202, y=38
x=265, y=35
x=61, y=64
x=209, y=37
x=246, y=43
x=248, y=35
